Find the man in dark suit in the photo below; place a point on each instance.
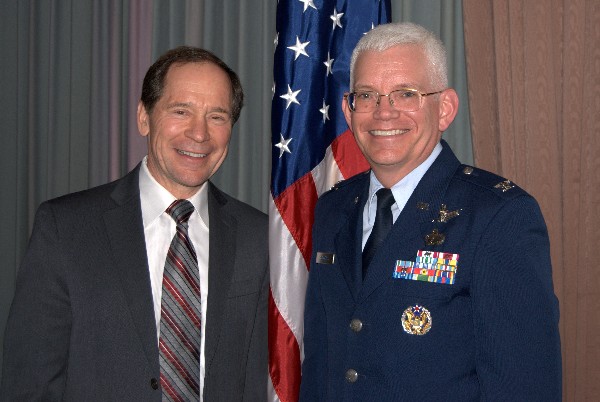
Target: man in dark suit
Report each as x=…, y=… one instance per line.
x=451, y=298
x=89, y=321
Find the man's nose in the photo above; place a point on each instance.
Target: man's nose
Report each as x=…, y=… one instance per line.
x=198, y=129
x=385, y=108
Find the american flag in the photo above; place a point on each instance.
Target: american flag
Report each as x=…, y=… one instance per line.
x=312, y=150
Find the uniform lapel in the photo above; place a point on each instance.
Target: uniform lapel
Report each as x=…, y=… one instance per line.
x=125, y=230
x=348, y=240
x=222, y=253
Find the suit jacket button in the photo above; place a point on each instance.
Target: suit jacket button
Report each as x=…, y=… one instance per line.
x=351, y=375
x=154, y=383
x=356, y=325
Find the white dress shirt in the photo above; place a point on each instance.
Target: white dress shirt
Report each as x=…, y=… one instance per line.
x=401, y=191
x=159, y=229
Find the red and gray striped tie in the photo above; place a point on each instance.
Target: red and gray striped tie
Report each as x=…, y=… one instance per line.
x=180, y=320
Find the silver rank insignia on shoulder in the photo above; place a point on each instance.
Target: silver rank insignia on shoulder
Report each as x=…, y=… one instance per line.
x=416, y=320
x=445, y=215
x=435, y=238
x=504, y=185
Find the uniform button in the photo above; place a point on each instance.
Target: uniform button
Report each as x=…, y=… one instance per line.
x=154, y=383
x=351, y=375
x=468, y=170
x=356, y=325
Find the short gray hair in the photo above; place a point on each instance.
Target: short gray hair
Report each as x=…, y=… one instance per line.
x=386, y=36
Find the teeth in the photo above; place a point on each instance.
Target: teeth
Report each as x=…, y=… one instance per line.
x=386, y=133
x=192, y=154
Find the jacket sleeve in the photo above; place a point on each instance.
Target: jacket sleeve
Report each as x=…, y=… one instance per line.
x=37, y=335
x=514, y=307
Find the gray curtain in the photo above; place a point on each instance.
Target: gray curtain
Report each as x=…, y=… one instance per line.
x=71, y=78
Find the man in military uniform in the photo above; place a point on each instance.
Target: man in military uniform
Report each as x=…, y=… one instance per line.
x=429, y=280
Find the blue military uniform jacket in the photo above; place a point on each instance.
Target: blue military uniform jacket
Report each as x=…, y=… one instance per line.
x=480, y=324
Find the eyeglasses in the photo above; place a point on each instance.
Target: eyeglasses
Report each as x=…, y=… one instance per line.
x=403, y=99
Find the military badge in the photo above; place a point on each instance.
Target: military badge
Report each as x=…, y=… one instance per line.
x=445, y=215
x=435, y=238
x=423, y=206
x=416, y=320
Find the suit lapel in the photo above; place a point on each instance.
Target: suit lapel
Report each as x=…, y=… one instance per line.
x=222, y=253
x=125, y=230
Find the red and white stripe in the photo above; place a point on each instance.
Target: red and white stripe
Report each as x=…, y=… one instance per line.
x=291, y=217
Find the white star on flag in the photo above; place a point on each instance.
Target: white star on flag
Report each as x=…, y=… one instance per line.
x=308, y=3
x=329, y=64
x=283, y=145
x=325, y=111
x=336, y=17
x=299, y=48
x=290, y=97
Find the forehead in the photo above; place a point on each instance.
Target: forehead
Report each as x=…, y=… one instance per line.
x=199, y=79
x=399, y=65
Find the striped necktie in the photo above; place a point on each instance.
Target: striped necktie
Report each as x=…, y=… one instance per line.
x=180, y=320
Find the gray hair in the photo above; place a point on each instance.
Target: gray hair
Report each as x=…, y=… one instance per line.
x=386, y=36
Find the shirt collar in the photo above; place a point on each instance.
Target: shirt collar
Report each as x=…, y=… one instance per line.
x=155, y=199
x=405, y=187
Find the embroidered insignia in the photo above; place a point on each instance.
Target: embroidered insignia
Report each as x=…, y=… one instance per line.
x=416, y=320
x=423, y=206
x=446, y=215
x=429, y=266
x=335, y=186
x=504, y=185
x=435, y=238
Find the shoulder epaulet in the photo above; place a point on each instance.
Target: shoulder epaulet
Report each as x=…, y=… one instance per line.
x=482, y=178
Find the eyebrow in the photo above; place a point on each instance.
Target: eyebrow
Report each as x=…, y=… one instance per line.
x=217, y=109
x=397, y=86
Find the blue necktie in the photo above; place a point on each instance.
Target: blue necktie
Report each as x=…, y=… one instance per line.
x=383, y=224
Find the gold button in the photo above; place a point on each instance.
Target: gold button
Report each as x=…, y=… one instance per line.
x=351, y=375
x=356, y=325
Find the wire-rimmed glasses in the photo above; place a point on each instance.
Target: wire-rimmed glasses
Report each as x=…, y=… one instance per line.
x=403, y=99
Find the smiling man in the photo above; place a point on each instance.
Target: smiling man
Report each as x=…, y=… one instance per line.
x=153, y=287
x=429, y=280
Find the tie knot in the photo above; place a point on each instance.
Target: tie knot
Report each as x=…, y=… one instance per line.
x=385, y=198
x=180, y=210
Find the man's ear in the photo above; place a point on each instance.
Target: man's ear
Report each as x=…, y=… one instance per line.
x=347, y=112
x=448, y=108
x=143, y=119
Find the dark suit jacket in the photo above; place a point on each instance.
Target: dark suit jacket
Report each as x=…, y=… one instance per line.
x=82, y=326
x=494, y=332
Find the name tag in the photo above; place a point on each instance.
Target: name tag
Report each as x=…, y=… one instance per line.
x=325, y=258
